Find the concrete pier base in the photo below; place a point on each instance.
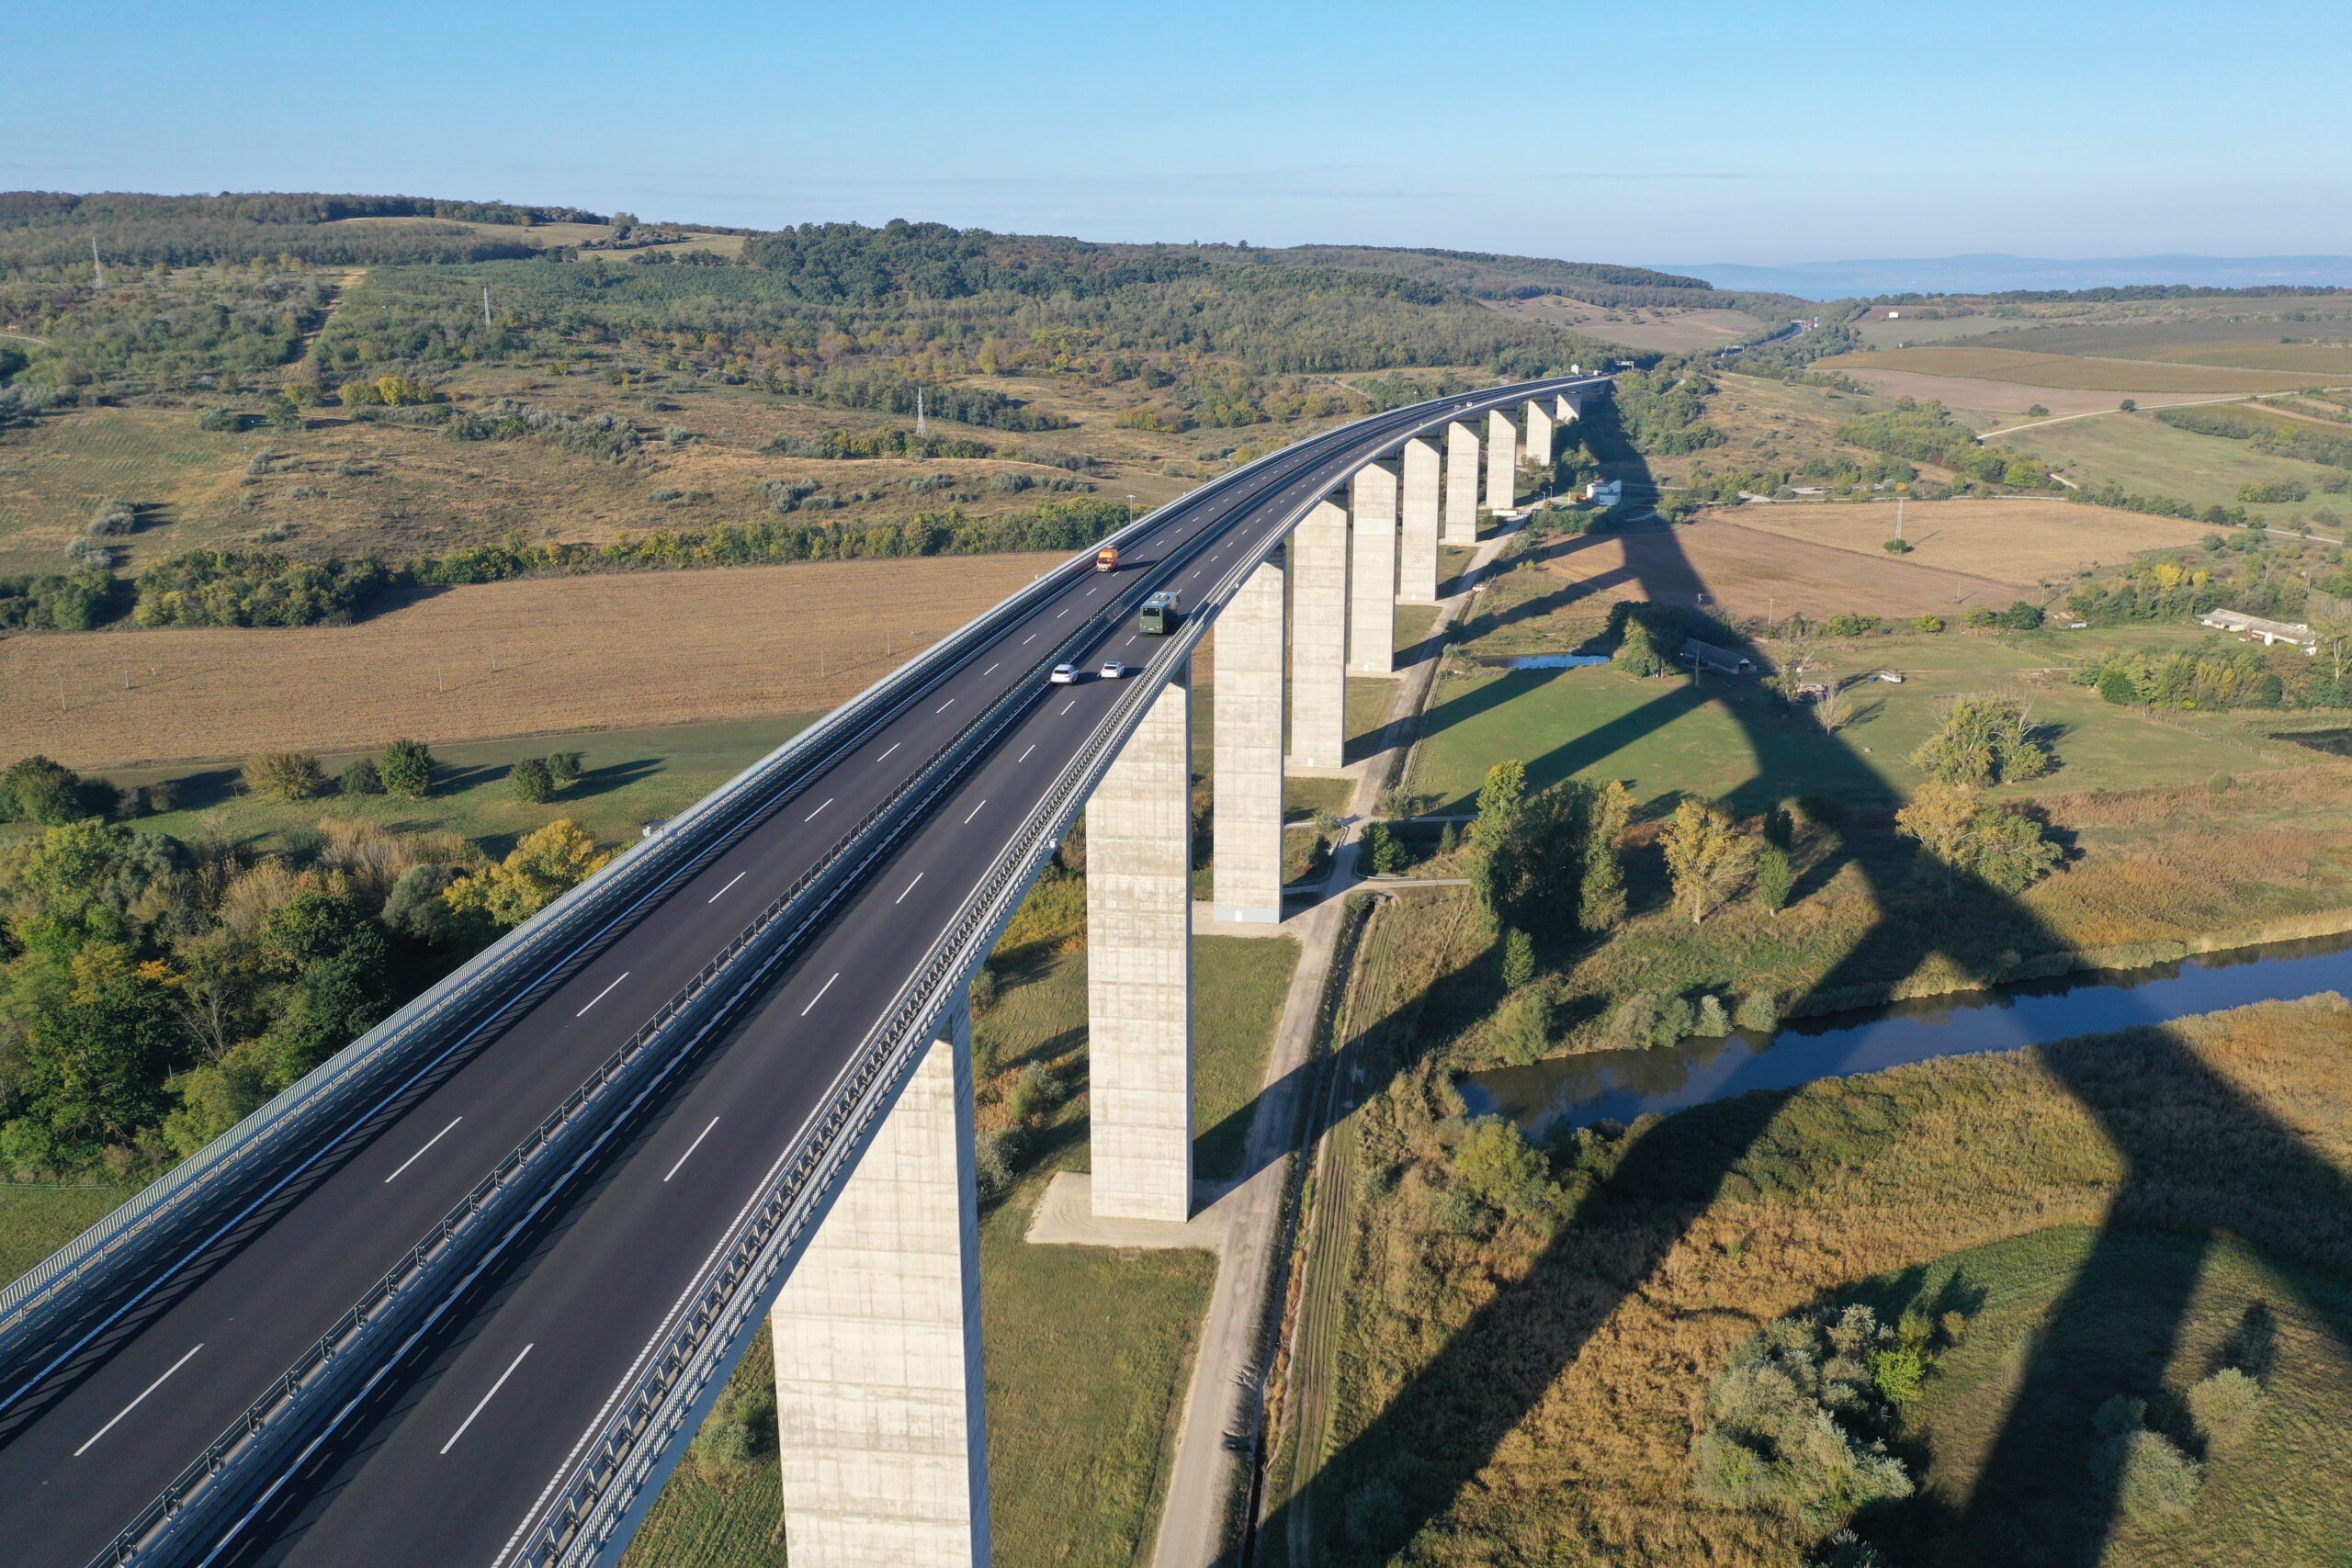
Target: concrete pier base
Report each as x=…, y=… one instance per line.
x=1418, y=524
x=1461, y=483
x=878, y=1387
x=1372, y=570
x=1139, y=968
x=1251, y=643
x=1318, y=639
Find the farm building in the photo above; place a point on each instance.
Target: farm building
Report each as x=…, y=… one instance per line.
x=1723, y=660
x=2270, y=632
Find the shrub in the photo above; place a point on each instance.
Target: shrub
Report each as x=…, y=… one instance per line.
x=530, y=781
x=2225, y=1406
x=1518, y=959
x=740, y=1430
x=114, y=517
x=1982, y=740
x=1712, y=1021
x=563, y=767
x=2116, y=685
x=1496, y=1165
x=361, y=778
x=284, y=775
x=2152, y=1479
x=542, y=867
x=1779, y=1423
x=1929, y=624
x=1758, y=1013
x=219, y=419
x=1776, y=877
x=1897, y=547
x=406, y=768
x=1959, y=831
x=994, y=1156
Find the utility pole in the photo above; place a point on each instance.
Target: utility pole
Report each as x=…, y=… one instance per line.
x=96, y=264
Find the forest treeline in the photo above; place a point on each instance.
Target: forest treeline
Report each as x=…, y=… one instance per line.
x=259, y=588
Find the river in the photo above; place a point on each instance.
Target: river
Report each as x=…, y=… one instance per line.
x=1617, y=1086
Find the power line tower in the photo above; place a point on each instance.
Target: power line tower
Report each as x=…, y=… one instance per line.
x=921, y=428
x=485, y=305
x=96, y=264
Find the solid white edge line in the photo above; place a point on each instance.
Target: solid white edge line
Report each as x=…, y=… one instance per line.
x=910, y=887
x=486, y=1399
x=428, y=1144
x=691, y=1148
x=600, y=995
x=134, y=1404
x=820, y=993
x=731, y=882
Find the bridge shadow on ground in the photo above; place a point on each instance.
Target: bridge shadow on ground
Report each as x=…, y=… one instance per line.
x=2037, y=1500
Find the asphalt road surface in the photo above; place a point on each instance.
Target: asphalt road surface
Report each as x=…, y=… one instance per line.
x=453, y=1461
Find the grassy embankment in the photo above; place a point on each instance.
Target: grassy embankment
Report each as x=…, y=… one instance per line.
x=1523, y=1376
x=1088, y=1349
x=2147, y=456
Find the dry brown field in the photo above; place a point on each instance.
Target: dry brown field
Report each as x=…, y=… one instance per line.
x=1752, y=573
x=1666, y=331
x=1999, y=397
x=2073, y=371
x=613, y=652
x=2008, y=541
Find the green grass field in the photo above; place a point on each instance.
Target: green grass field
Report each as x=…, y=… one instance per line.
x=1665, y=735
x=631, y=777
x=2146, y=455
x=2278, y=1499
x=36, y=1220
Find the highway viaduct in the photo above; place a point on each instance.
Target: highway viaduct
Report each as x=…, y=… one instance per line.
x=463, y=1294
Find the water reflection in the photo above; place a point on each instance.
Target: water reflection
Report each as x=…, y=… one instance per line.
x=1554, y=661
x=1617, y=1086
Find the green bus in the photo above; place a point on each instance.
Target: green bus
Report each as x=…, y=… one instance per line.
x=1160, y=612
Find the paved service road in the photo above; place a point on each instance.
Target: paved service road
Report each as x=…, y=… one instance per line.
x=454, y=1459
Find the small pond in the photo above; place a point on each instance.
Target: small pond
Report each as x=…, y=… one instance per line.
x=1617, y=1086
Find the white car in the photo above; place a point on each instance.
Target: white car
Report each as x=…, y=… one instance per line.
x=1113, y=670
x=1064, y=675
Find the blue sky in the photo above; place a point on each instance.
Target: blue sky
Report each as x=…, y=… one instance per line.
x=1689, y=131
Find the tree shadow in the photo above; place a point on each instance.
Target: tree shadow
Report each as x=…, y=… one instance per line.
x=611, y=776
x=2037, y=1498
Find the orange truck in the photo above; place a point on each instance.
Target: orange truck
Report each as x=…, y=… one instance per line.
x=1107, y=558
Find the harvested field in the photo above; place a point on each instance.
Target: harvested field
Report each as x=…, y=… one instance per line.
x=2017, y=542
x=504, y=659
x=1667, y=330
x=1997, y=397
x=1753, y=572
x=2070, y=371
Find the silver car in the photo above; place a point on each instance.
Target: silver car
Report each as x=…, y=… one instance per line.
x=1064, y=675
x=1113, y=670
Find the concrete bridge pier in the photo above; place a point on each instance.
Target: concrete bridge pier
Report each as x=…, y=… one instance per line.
x=1565, y=406
x=1418, y=526
x=1502, y=462
x=1139, y=967
x=1372, y=580
x=1251, y=643
x=1318, y=640
x=878, y=1386
x=1538, y=426
x=1461, y=483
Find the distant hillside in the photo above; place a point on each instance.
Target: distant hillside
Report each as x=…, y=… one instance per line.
x=1994, y=273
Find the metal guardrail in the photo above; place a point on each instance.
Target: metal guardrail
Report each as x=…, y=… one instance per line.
x=466, y=1239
